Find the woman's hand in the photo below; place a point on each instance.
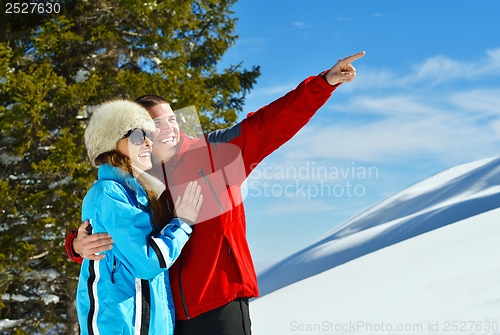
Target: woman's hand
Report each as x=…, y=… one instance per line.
x=188, y=207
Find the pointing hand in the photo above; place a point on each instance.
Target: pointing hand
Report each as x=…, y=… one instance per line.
x=343, y=71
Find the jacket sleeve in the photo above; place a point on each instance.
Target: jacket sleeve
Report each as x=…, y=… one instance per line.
x=72, y=255
x=144, y=255
x=264, y=131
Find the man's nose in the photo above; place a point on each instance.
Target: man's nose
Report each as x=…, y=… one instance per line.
x=165, y=126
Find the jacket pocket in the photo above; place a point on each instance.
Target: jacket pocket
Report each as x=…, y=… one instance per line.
x=229, y=252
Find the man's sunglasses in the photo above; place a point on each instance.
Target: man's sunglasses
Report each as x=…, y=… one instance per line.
x=138, y=136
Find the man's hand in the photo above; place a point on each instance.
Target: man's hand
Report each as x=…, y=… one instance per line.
x=343, y=71
x=189, y=206
x=91, y=246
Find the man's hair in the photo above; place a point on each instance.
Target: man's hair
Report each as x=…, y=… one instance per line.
x=150, y=100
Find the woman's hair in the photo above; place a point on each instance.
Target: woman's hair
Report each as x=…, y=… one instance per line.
x=119, y=160
x=116, y=159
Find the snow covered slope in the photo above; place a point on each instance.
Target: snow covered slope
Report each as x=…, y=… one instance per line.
x=447, y=197
x=443, y=282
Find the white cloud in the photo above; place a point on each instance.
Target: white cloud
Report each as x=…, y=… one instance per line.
x=391, y=105
x=302, y=25
x=248, y=46
x=373, y=79
x=457, y=126
x=431, y=72
x=406, y=116
x=484, y=101
x=400, y=119
x=441, y=68
x=276, y=90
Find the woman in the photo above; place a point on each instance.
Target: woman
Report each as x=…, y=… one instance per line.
x=128, y=291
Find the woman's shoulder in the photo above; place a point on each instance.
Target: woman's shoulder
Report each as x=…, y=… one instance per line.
x=108, y=187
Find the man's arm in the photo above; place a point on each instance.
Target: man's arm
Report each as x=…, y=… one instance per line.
x=79, y=244
x=143, y=254
x=271, y=126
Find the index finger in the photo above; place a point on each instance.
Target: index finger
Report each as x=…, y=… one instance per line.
x=352, y=58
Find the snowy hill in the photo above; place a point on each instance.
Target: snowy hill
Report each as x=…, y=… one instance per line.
x=443, y=282
x=447, y=197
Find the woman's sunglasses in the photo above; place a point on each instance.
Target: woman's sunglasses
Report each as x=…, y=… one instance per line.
x=138, y=136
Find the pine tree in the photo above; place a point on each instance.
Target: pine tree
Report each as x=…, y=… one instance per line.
x=54, y=67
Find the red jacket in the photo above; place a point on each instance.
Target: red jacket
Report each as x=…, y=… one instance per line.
x=215, y=266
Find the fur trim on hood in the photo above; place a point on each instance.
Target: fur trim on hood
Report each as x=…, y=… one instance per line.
x=148, y=182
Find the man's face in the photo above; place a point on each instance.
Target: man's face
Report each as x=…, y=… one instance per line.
x=167, y=133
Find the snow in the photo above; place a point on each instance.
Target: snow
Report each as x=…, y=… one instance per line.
x=50, y=299
x=423, y=261
x=46, y=298
x=6, y=323
x=14, y=297
x=447, y=197
x=81, y=75
x=423, y=285
x=47, y=274
x=6, y=159
x=61, y=182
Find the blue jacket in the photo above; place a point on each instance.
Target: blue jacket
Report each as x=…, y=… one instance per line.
x=127, y=292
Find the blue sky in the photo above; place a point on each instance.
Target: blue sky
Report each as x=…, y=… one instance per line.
x=426, y=98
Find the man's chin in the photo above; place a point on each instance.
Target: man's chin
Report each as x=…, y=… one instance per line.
x=164, y=155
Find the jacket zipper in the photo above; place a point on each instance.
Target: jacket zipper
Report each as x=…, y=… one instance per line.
x=206, y=180
x=114, y=270
x=179, y=276
x=183, y=299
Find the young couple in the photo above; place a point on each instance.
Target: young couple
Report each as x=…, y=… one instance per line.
x=139, y=225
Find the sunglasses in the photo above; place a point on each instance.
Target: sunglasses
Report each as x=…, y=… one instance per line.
x=138, y=136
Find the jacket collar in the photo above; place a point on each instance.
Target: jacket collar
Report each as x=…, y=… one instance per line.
x=185, y=142
x=109, y=172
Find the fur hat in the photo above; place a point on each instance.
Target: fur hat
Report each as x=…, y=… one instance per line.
x=110, y=121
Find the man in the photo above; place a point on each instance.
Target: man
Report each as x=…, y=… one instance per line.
x=214, y=276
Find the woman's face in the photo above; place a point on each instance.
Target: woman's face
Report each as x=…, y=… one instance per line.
x=139, y=153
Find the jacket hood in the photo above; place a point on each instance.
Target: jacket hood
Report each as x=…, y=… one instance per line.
x=109, y=172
